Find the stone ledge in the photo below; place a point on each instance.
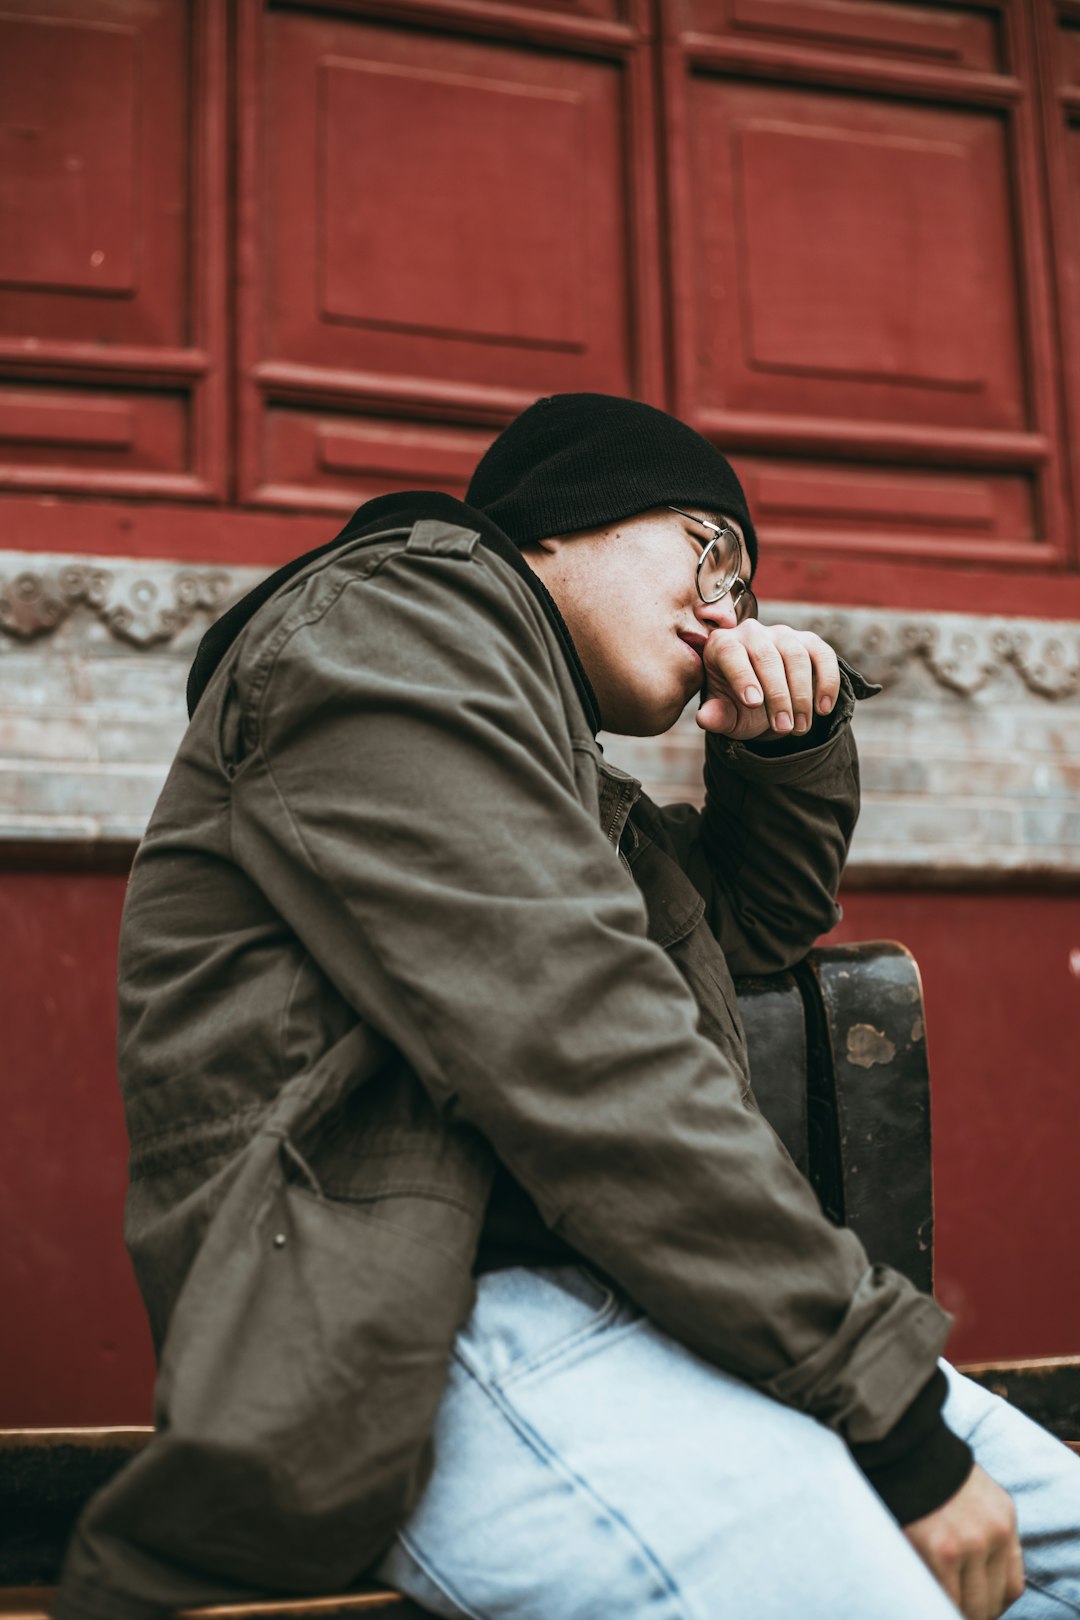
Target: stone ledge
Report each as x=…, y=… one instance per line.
x=970, y=756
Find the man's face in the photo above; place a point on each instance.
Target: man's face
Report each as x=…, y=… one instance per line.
x=629, y=598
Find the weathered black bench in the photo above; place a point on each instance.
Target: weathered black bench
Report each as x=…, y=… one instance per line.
x=838, y=1063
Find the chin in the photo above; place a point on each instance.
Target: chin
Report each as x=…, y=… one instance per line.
x=647, y=717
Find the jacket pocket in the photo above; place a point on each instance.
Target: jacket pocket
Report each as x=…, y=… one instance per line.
x=309, y=1345
x=299, y=1382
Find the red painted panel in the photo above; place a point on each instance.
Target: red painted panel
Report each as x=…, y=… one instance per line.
x=112, y=235
x=819, y=504
x=409, y=257
x=842, y=276
x=1067, y=53
x=936, y=36
x=49, y=427
x=94, y=220
x=601, y=10
x=856, y=258
x=1001, y=974
x=349, y=459
x=440, y=211
x=32, y=417
x=67, y=209
x=74, y=1346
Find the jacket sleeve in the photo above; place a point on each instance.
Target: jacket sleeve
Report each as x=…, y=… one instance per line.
x=768, y=849
x=412, y=805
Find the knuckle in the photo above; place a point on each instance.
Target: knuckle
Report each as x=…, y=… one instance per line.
x=764, y=650
x=794, y=652
x=729, y=655
x=767, y=657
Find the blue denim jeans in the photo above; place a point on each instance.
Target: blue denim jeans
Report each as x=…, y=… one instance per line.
x=587, y=1467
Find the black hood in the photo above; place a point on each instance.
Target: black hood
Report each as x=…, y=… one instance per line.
x=384, y=513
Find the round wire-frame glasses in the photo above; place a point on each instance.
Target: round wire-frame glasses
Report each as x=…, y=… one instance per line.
x=718, y=567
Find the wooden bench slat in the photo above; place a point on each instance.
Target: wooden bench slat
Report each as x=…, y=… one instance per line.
x=324, y=1608
x=34, y=1602
x=1046, y=1388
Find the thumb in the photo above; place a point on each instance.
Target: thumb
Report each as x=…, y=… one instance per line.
x=717, y=714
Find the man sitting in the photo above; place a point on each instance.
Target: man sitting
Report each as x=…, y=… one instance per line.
x=468, y=1255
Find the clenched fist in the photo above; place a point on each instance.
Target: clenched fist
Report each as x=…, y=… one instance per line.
x=766, y=681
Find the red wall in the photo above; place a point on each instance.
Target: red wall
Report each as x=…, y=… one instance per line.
x=998, y=971
x=74, y=1347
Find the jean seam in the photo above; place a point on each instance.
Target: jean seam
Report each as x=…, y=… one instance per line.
x=559, y=1465
x=544, y=1359
x=613, y=1332
x=554, y=1352
x=437, y=1580
x=1048, y=1592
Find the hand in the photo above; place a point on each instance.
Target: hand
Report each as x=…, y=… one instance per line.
x=766, y=681
x=970, y=1544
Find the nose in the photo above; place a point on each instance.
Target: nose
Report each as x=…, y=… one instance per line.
x=717, y=615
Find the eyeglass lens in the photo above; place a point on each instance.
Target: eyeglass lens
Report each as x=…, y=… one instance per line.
x=719, y=566
x=718, y=574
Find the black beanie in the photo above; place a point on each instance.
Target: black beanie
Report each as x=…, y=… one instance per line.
x=579, y=461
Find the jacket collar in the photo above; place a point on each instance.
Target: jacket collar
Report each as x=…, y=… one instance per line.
x=389, y=512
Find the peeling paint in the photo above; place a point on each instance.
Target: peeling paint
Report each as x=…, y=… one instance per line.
x=918, y=1030
x=867, y=1046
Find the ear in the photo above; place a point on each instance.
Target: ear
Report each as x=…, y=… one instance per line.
x=542, y=555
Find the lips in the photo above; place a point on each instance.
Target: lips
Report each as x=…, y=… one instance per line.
x=695, y=641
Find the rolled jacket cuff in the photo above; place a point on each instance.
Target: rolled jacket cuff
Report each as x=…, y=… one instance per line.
x=920, y=1463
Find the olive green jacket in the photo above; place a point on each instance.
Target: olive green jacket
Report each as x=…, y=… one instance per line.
x=393, y=918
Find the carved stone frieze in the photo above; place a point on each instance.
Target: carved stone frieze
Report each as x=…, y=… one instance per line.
x=140, y=604
x=145, y=604
x=962, y=653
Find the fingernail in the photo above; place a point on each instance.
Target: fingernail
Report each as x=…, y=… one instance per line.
x=752, y=694
x=824, y=705
x=801, y=722
x=782, y=722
